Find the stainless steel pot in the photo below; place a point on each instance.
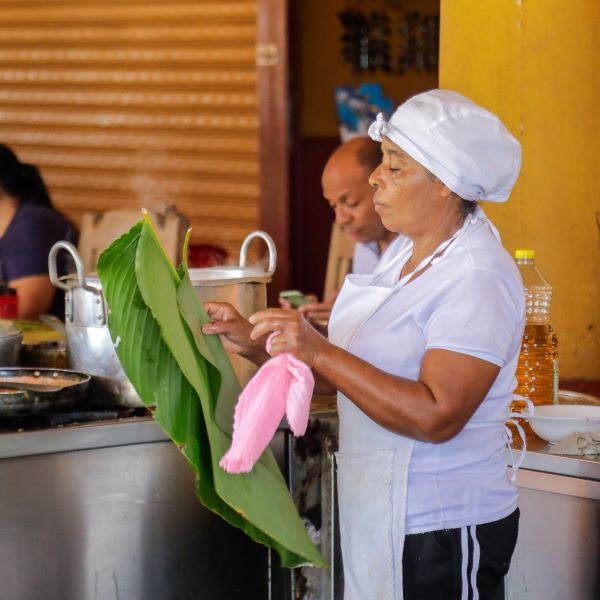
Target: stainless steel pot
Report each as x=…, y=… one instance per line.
x=89, y=345
x=242, y=286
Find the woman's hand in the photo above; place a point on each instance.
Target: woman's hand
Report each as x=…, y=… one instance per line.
x=296, y=335
x=234, y=331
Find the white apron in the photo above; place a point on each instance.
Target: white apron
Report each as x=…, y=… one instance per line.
x=372, y=485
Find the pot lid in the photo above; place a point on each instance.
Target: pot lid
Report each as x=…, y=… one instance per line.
x=228, y=275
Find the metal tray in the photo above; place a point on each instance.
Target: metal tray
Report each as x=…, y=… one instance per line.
x=72, y=386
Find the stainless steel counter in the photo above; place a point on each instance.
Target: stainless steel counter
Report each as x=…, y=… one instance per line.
x=118, y=432
x=108, y=511
x=538, y=458
x=141, y=430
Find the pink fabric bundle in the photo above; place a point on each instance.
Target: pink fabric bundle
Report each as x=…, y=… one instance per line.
x=282, y=386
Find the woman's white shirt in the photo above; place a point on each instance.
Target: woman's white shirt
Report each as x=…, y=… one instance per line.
x=470, y=301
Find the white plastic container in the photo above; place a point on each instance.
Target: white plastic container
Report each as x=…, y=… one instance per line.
x=553, y=422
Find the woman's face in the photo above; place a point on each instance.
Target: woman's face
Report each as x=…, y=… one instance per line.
x=407, y=197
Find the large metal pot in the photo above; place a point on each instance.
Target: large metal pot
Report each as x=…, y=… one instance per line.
x=89, y=345
x=242, y=286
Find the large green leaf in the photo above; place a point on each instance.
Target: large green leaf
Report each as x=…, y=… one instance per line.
x=155, y=320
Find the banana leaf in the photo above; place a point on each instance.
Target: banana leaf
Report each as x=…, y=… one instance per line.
x=155, y=321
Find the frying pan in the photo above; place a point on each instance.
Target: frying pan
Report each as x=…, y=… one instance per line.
x=49, y=389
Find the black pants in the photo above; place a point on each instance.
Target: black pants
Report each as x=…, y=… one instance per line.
x=467, y=563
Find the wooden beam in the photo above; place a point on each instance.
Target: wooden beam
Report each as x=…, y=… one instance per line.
x=272, y=78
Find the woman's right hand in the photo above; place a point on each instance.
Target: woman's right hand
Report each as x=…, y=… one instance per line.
x=234, y=331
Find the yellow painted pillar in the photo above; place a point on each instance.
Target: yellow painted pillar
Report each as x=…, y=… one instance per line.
x=536, y=64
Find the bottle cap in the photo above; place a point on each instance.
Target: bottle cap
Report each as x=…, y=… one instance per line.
x=524, y=253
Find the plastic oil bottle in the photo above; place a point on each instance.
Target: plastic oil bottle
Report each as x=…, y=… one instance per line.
x=537, y=369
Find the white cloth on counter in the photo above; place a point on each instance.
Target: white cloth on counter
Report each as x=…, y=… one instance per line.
x=578, y=443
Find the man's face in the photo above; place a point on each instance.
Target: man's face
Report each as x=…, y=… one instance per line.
x=346, y=187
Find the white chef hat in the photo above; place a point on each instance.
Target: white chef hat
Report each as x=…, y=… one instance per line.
x=464, y=145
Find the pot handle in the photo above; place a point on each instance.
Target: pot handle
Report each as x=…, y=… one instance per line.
x=53, y=267
x=78, y=283
x=263, y=235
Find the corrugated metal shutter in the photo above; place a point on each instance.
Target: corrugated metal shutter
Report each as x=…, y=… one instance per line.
x=137, y=103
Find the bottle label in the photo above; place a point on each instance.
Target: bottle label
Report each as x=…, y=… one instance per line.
x=555, y=381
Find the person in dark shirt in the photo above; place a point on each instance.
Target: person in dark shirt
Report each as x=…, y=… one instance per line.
x=29, y=226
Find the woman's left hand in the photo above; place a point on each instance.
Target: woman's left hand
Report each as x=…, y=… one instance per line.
x=296, y=335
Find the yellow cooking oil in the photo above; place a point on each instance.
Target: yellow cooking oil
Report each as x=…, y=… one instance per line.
x=537, y=368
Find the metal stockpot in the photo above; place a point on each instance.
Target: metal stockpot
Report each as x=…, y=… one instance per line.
x=89, y=345
x=243, y=286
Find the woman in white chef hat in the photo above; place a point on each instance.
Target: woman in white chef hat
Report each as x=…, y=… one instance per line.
x=422, y=354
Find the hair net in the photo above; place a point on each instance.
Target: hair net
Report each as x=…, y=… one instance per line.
x=464, y=145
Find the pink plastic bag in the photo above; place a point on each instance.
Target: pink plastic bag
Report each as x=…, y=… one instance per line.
x=282, y=386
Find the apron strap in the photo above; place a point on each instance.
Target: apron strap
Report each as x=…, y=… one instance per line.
x=513, y=419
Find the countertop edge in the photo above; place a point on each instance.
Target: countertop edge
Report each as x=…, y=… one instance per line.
x=143, y=430
x=105, y=434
